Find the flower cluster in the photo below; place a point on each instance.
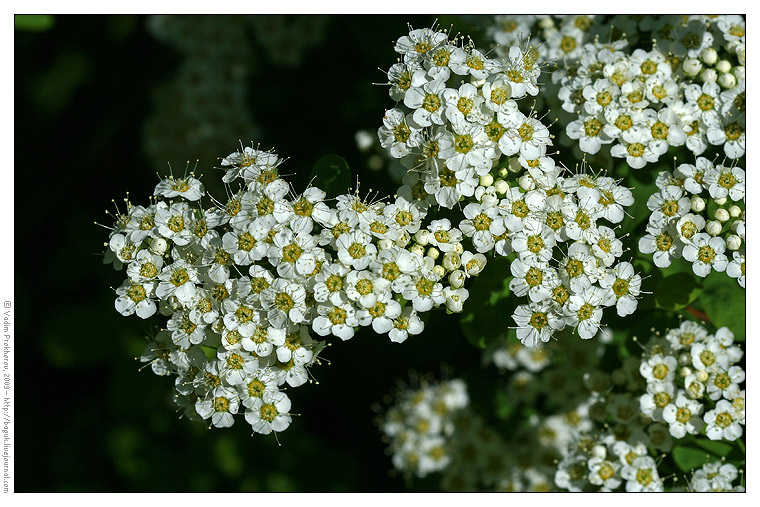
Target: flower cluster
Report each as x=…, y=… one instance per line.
x=691, y=385
x=249, y=280
x=459, y=115
x=715, y=477
x=644, y=102
x=678, y=226
x=420, y=424
x=694, y=381
x=453, y=139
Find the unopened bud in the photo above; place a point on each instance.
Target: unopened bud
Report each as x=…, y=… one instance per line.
x=159, y=245
x=721, y=215
x=439, y=271
x=734, y=211
x=692, y=66
x=501, y=186
x=457, y=278
x=527, y=182
x=433, y=253
x=720, y=201
x=458, y=248
x=713, y=228
x=683, y=359
x=727, y=81
x=697, y=204
x=486, y=180
x=709, y=75
x=739, y=72
x=384, y=244
x=709, y=56
x=702, y=376
x=733, y=242
x=422, y=237
x=723, y=66
x=503, y=172
x=685, y=371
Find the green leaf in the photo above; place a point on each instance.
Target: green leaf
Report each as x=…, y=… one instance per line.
x=726, y=305
x=504, y=407
x=688, y=458
x=716, y=448
x=210, y=352
x=677, y=291
x=34, y=22
x=487, y=312
x=332, y=174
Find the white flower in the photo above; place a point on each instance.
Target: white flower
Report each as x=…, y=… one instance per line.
x=725, y=181
x=400, y=133
x=525, y=135
x=424, y=292
x=590, y=133
x=663, y=242
x=355, y=249
x=714, y=477
x=427, y=102
x=659, y=368
x=735, y=268
x=641, y=475
x=722, y=423
x=724, y=383
x=536, y=323
x=625, y=285
x=585, y=311
x=269, y=412
x=531, y=279
x=604, y=473
x=405, y=324
x=135, y=298
x=284, y=300
x=683, y=416
x=706, y=254
x=687, y=334
x=188, y=188
x=222, y=403
x=178, y=279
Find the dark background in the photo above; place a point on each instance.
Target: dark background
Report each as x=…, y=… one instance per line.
x=85, y=418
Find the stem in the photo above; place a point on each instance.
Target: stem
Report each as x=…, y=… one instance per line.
x=698, y=314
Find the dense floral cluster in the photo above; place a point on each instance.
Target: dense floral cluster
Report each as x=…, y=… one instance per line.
x=462, y=119
x=694, y=382
x=691, y=386
x=678, y=226
x=715, y=477
x=419, y=425
x=310, y=268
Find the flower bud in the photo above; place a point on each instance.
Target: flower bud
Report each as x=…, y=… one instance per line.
x=458, y=248
x=734, y=211
x=501, y=186
x=527, y=182
x=451, y=261
x=741, y=54
x=721, y=215
x=709, y=76
x=683, y=359
x=692, y=66
x=709, y=56
x=457, y=278
x=713, y=228
x=418, y=249
x=702, y=375
x=727, y=81
x=723, y=66
x=384, y=244
x=735, y=225
x=159, y=245
x=733, y=242
x=433, y=253
x=546, y=22
x=439, y=271
x=697, y=204
x=720, y=201
x=503, y=172
x=739, y=72
x=685, y=371
x=486, y=180
x=422, y=237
